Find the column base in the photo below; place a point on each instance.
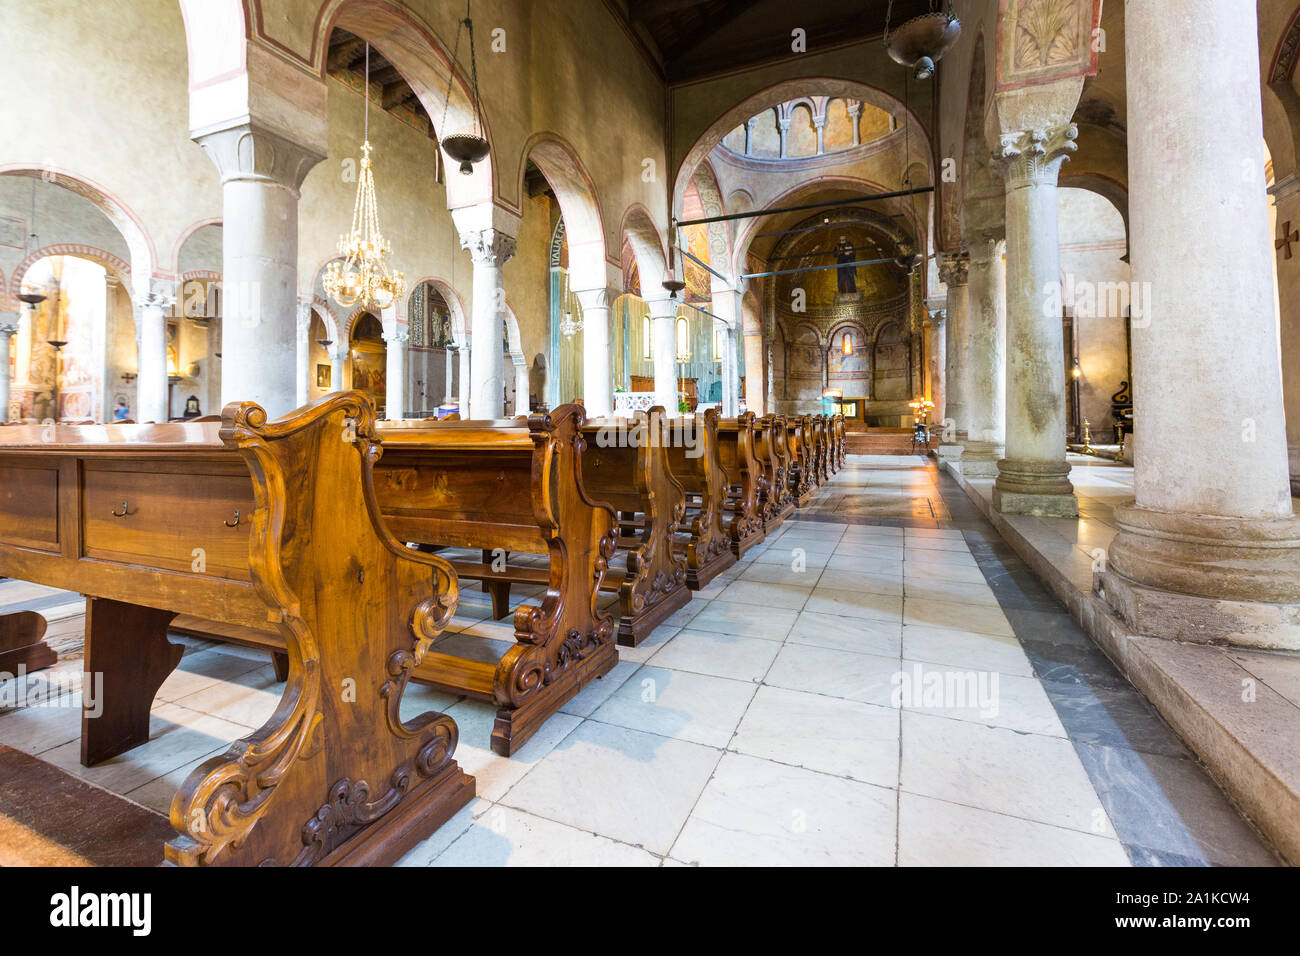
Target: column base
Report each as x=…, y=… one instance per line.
x=980, y=459
x=1034, y=488
x=948, y=454
x=1205, y=579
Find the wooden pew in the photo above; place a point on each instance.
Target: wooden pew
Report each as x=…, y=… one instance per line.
x=517, y=487
x=776, y=502
x=822, y=436
x=709, y=506
x=626, y=465
x=780, y=440
x=272, y=528
x=745, y=476
x=800, y=477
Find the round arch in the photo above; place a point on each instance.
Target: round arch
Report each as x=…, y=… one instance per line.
x=647, y=247
x=113, y=264
x=575, y=191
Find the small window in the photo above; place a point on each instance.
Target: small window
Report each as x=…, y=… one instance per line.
x=683, y=339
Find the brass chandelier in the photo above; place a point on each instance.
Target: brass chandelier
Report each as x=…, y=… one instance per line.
x=363, y=276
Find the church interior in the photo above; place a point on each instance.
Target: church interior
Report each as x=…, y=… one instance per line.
x=850, y=433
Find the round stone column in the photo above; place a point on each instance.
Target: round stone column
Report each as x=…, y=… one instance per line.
x=597, y=368
x=261, y=175
x=663, y=316
x=396, y=339
x=489, y=249
x=1033, y=478
x=954, y=272
x=1210, y=548
x=302, y=378
x=938, y=363
x=152, y=389
x=522, y=401
x=1286, y=194
x=986, y=349
x=8, y=326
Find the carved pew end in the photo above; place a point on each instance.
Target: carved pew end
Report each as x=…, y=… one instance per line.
x=21, y=643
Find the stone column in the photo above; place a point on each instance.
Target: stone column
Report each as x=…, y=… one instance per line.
x=597, y=359
x=1034, y=477
x=1210, y=548
x=396, y=338
x=784, y=130
x=749, y=133
x=8, y=326
x=1286, y=194
x=261, y=175
x=302, y=390
x=152, y=388
x=663, y=316
x=522, y=406
x=954, y=271
x=730, y=373
x=820, y=123
x=938, y=364
x=855, y=114
x=986, y=357
x=338, y=355
x=490, y=249
x=447, y=389
x=462, y=396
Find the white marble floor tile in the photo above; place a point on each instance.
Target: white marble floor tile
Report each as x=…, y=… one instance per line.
x=981, y=696
x=781, y=574
x=630, y=786
x=1023, y=775
x=585, y=702
x=493, y=773
x=820, y=670
x=880, y=607
x=758, y=813
x=967, y=617
x=768, y=623
x=767, y=595
x=718, y=655
x=937, y=833
x=506, y=837
x=956, y=592
x=860, y=635
x=959, y=648
x=843, y=738
x=877, y=582
x=693, y=707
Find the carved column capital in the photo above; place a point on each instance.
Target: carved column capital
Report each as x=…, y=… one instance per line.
x=1034, y=156
x=161, y=295
x=596, y=298
x=490, y=247
x=985, y=245
x=304, y=316
x=248, y=153
x=399, y=335
x=954, y=268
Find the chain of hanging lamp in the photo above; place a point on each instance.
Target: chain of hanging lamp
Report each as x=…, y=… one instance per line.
x=363, y=277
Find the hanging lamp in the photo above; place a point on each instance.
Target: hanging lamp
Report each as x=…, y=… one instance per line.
x=363, y=277
x=470, y=147
x=33, y=299
x=922, y=41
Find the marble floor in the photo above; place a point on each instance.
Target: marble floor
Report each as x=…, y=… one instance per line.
x=881, y=682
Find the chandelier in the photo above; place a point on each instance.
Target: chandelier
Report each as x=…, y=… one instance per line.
x=363, y=276
x=569, y=326
x=922, y=41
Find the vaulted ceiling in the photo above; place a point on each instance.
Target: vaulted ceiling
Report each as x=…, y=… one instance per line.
x=346, y=61
x=693, y=38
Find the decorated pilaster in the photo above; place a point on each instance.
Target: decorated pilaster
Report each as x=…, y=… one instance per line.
x=986, y=356
x=1033, y=478
x=261, y=176
x=1286, y=194
x=152, y=386
x=954, y=272
x=490, y=249
x=597, y=359
x=8, y=326
x=1210, y=548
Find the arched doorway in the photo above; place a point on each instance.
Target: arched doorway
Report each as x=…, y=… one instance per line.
x=368, y=360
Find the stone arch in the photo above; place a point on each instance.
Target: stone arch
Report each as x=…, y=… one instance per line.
x=720, y=233
x=144, y=256
x=424, y=61
x=113, y=264
x=579, y=205
x=184, y=237
x=454, y=303
x=647, y=247
x=783, y=92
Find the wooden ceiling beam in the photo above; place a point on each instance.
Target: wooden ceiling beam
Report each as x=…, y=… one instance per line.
x=343, y=55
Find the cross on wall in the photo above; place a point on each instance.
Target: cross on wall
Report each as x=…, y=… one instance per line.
x=1284, y=241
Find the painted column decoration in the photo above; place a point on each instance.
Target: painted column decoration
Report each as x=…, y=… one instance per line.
x=1210, y=548
x=490, y=249
x=597, y=359
x=985, y=381
x=8, y=326
x=1033, y=478
x=151, y=340
x=954, y=270
x=261, y=175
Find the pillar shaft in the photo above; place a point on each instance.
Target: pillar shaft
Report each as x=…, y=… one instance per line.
x=490, y=249
x=954, y=271
x=396, y=340
x=302, y=382
x=1286, y=193
x=261, y=174
x=152, y=388
x=522, y=404
x=1034, y=476
x=8, y=326
x=986, y=352
x=1210, y=550
x=663, y=315
x=597, y=359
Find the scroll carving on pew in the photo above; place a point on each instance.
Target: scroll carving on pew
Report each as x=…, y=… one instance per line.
x=776, y=501
x=627, y=468
x=745, y=477
x=335, y=776
x=516, y=487
x=708, y=511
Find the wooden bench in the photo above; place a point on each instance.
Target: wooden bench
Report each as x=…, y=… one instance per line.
x=776, y=502
x=745, y=476
x=709, y=515
x=801, y=479
x=510, y=487
x=271, y=528
x=626, y=465
x=837, y=442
